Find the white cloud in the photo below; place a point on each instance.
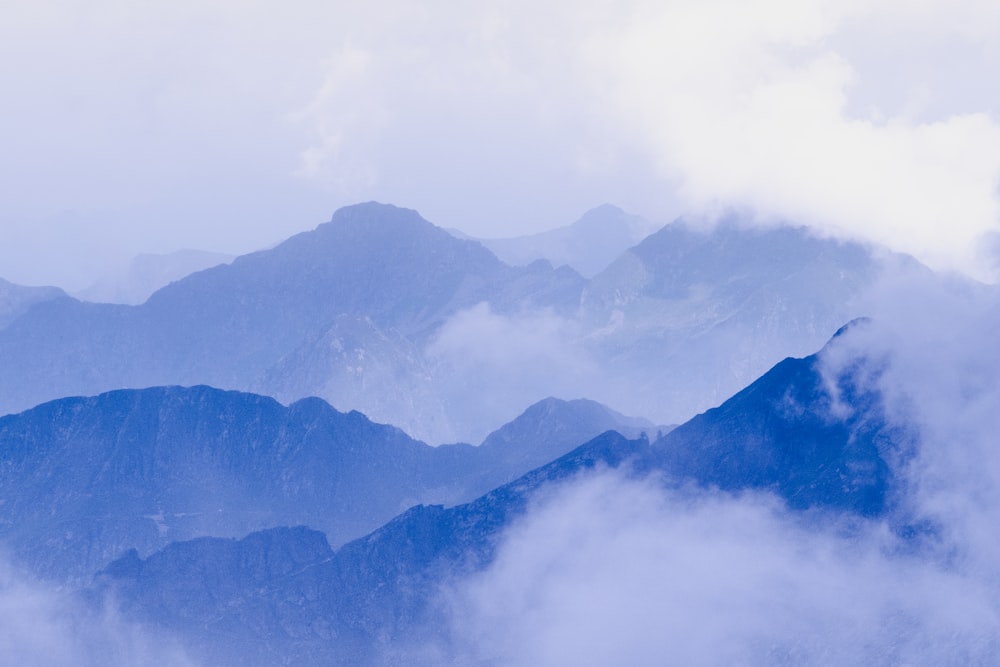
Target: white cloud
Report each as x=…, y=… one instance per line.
x=610, y=571
x=520, y=358
x=214, y=123
x=746, y=105
x=42, y=626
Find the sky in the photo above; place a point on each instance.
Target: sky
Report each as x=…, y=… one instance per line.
x=228, y=126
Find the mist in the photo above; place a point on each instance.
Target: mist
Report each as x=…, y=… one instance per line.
x=44, y=625
x=215, y=127
x=613, y=569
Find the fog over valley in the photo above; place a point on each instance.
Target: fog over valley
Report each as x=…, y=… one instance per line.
x=414, y=334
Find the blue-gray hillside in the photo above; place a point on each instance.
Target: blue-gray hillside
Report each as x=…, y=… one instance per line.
x=84, y=479
x=382, y=312
x=375, y=598
x=15, y=300
x=227, y=326
x=146, y=273
x=690, y=316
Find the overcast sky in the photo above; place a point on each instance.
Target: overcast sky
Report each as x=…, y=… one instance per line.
x=228, y=126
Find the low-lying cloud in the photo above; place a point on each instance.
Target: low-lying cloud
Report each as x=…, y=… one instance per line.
x=521, y=358
x=612, y=570
x=42, y=625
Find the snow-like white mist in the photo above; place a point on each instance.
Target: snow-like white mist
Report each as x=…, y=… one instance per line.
x=613, y=570
x=610, y=571
x=42, y=625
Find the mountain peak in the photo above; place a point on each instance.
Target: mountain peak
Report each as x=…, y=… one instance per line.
x=373, y=210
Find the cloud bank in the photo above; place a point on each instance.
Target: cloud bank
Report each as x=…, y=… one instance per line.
x=224, y=127
x=609, y=569
x=44, y=626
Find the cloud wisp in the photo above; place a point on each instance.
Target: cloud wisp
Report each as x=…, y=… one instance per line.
x=608, y=568
x=45, y=626
x=206, y=125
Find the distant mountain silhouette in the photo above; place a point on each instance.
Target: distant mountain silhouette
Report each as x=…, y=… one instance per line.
x=232, y=325
x=589, y=245
x=147, y=273
x=15, y=300
x=690, y=316
x=380, y=311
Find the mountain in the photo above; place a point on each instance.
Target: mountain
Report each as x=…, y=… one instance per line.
x=382, y=312
x=550, y=428
x=588, y=245
x=690, y=315
x=282, y=595
x=84, y=479
x=147, y=273
x=15, y=300
x=812, y=440
x=233, y=325
x=375, y=599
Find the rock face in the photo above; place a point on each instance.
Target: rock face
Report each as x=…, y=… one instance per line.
x=789, y=434
x=377, y=595
x=84, y=479
x=346, y=607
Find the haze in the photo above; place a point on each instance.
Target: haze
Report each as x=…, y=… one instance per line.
x=227, y=127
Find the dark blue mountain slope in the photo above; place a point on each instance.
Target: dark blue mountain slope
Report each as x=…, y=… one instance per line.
x=785, y=433
x=788, y=434
x=234, y=604
x=84, y=479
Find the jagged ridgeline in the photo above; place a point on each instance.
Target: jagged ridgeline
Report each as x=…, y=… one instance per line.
x=380, y=311
x=84, y=479
x=284, y=594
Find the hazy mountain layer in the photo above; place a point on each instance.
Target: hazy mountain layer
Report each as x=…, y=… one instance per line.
x=382, y=312
x=589, y=245
x=15, y=300
x=147, y=273
x=229, y=325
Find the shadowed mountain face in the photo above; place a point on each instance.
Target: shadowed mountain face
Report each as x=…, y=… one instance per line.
x=84, y=479
x=327, y=607
x=380, y=311
x=787, y=433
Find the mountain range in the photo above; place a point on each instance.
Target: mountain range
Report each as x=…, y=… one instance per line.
x=285, y=593
x=84, y=479
x=382, y=312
